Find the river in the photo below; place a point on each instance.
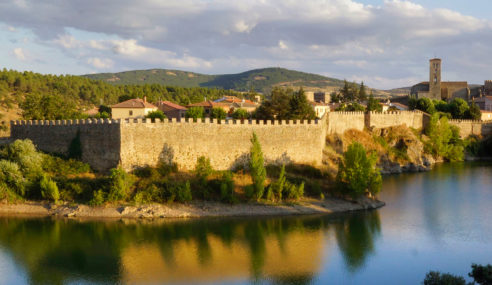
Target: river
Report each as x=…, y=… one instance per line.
x=439, y=220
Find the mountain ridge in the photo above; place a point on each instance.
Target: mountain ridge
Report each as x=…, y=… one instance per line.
x=262, y=79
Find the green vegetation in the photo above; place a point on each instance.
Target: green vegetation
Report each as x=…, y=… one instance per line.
x=240, y=114
x=481, y=275
x=351, y=107
x=349, y=92
x=218, y=113
x=456, y=109
x=49, y=190
x=285, y=104
x=53, y=97
x=444, y=140
x=357, y=172
x=260, y=80
x=373, y=104
x=257, y=168
x=195, y=113
x=158, y=114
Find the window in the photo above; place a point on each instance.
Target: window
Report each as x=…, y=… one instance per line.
x=131, y=112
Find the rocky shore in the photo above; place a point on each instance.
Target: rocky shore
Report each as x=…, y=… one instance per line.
x=189, y=210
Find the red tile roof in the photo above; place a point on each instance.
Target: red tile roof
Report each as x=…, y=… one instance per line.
x=209, y=104
x=134, y=103
x=171, y=105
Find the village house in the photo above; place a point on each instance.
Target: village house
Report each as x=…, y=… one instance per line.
x=133, y=108
x=209, y=105
x=172, y=110
x=320, y=109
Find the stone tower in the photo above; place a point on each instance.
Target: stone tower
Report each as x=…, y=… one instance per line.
x=435, y=79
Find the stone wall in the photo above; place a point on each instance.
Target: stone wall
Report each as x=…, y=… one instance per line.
x=412, y=119
x=227, y=143
x=339, y=122
x=133, y=143
x=470, y=127
x=100, y=139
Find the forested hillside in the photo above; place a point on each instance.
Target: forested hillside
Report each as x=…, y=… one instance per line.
x=50, y=97
x=261, y=80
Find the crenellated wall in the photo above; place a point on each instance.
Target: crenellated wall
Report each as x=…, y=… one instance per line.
x=227, y=143
x=135, y=143
x=100, y=139
x=339, y=122
x=471, y=127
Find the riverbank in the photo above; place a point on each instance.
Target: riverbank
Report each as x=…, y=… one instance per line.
x=189, y=210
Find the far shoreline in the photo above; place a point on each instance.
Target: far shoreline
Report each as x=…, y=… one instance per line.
x=195, y=209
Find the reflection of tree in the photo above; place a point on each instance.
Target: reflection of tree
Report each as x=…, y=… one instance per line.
x=293, y=280
x=53, y=251
x=254, y=234
x=356, y=236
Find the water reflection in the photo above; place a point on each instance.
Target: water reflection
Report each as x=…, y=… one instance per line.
x=274, y=250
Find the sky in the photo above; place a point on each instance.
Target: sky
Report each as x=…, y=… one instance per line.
x=385, y=43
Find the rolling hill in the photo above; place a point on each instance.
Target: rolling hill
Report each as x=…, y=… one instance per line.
x=262, y=80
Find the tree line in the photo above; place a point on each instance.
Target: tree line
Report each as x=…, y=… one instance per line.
x=53, y=97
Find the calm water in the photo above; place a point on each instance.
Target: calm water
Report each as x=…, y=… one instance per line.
x=441, y=220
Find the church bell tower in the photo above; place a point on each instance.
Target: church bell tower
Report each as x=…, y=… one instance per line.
x=435, y=79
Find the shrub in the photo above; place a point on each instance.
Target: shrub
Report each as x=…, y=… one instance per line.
x=240, y=114
x=218, y=113
x=179, y=191
x=257, y=168
x=24, y=153
x=157, y=114
x=227, y=188
x=357, y=172
x=203, y=169
x=120, y=184
x=62, y=167
x=98, y=198
x=194, y=113
x=49, y=190
x=278, y=186
x=165, y=168
x=11, y=177
x=436, y=278
x=293, y=191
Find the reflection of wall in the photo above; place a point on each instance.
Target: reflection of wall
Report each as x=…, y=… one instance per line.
x=299, y=254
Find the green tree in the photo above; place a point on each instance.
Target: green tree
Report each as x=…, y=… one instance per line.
x=425, y=105
x=203, y=168
x=24, y=153
x=278, y=107
x=218, y=113
x=362, y=92
x=120, y=184
x=195, y=113
x=458, y=108
x=157, y=114
x=357, y=172
x=373, y=104
x=444, y=139
x=474, y=112
x=11, y=177
x=240, y=114
x=300, y=109
x=481, y=274
x=257, y=167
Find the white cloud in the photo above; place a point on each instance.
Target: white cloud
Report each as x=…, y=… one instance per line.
x=392, y=40
x=20, y=54
x=100, y=63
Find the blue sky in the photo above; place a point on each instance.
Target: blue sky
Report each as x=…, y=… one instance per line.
x=386, y=44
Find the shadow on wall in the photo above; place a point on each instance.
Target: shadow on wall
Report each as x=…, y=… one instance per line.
x=167, y=155
x=242, y=162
